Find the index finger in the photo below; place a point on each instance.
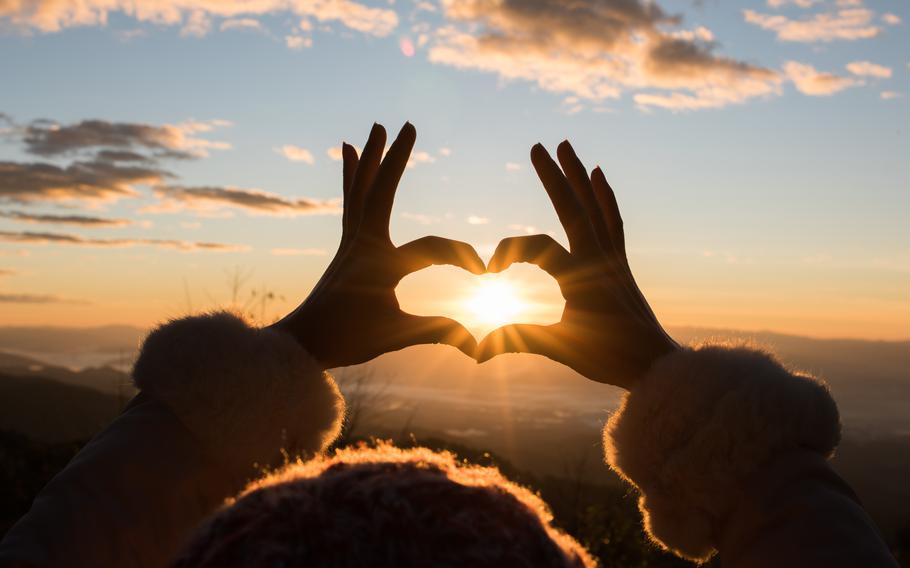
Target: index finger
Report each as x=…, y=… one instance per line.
x=568, y=209
x=382, y=195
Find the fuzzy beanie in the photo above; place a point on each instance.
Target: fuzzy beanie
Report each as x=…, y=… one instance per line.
x=384, y=507
x=694, y=428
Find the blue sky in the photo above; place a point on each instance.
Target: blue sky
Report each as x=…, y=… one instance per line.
x=782, y=204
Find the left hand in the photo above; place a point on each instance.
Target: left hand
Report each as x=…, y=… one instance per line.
x=352, y=314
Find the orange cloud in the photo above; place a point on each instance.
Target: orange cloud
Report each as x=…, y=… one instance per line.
x=810, y=81
x=869, y=69
x=208, y=198
x=296, y=153
x=90, y=180
x=76, y=240
x=79, y=220
x=48, y=138
x=850, y=24
x=194, y=16
x=596, y=51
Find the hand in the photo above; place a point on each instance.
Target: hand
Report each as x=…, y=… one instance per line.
x=352, y=314
x=608, y=332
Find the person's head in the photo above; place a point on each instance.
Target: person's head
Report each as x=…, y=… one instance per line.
x=384, y=507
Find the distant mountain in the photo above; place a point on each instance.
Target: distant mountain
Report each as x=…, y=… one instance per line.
x=51, y=411
x=104, y=339
x=103, y=379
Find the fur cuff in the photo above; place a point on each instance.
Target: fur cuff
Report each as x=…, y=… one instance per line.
x=698, y=423
x=246, y=393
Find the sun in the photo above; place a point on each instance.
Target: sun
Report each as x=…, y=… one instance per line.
x=495, y=302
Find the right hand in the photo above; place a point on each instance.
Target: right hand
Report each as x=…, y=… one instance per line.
x=608, y=332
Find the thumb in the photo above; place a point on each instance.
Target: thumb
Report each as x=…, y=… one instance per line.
x=518, y=338
x=419, y=330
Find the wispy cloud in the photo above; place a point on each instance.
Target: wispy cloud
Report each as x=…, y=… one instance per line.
x=597, y=50
x=25, y=182
x=193, y=16
x=420, y=157
x=14, y=298
x=79, y=220
x=847, y=25
x=296, y=153
x=477, y=220
x=241, y=24
x=810, y=81
x=869, y=69
x=47, y=138
x=890, y=95
x=39, y=238
x=208, y=198
x=421, y=218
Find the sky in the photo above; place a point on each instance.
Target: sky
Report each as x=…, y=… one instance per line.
x=154, y=154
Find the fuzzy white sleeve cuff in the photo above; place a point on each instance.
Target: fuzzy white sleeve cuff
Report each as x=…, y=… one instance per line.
x=246, y=393
x=700, y=421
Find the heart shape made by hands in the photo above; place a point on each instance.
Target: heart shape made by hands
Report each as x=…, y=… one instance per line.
x=522, y=294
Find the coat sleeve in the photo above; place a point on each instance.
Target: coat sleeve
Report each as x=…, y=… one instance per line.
x=729, y=452
x=218, y=402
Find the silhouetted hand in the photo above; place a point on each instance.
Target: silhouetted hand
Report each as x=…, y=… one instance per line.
x=352, y=314
x=608, y=332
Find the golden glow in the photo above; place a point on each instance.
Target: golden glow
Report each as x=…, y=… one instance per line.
x=495, y=302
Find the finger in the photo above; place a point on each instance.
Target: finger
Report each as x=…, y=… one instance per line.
x=541, y=250
x=569, y=211
x=584, y=192
x=350, y=160
x=609, y=210
x=382, y=195
x=349, y=170
x=420, y=330
x=367, y=167
x=517, y=338
x=426, y=251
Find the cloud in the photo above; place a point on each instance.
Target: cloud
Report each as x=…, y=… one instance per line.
x=527, y=229
x=420, y=157
x=810, y=81
x=890, y=95
x=891, y=19
x=595, y=50
x=445, y=152
x=209, y=198
x=869, y=69
x=40, y=238
x=800, y=3
x=13, y=298
x=847, y=25
x=7, y=272
x=46, y=138
x=79, y=220
x=298, y=252
x=334, y=153
x=297, y=42
x=477, y=220
x=421, y=218
x=88, y=180
x=512, y=167
x=193, y=16
x=296, y=153
x=240, y=24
